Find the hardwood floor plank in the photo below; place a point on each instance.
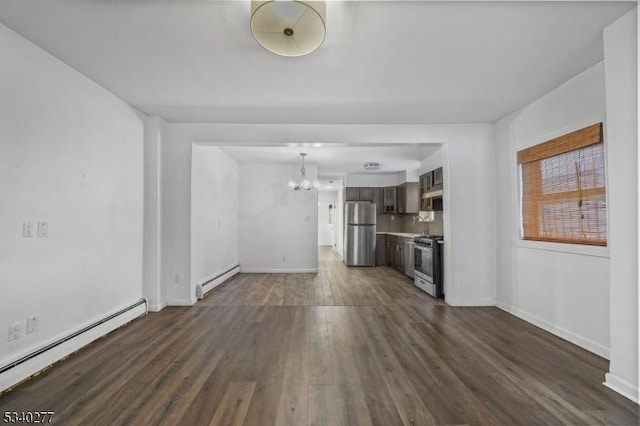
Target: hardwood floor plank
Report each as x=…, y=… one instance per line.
x=348, y=384
x=175, y=408
x=320, y=362
x=78, y=401
x=411, y=409
x=438, y=387
x=185, y=381
x=326, y=406
x=293, y=404
x=233, y=408
x=376, y=394
x=345, y=346
x=264, y=406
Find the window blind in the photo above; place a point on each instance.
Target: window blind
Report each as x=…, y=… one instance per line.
x=563, y=189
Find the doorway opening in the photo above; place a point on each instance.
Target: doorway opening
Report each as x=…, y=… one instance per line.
x=330, y=205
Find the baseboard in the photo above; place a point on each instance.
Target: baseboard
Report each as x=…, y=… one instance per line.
x=561, y=332
x=279, y=271
x=624, y=388
x=182, y=302
x=215, y=280
x=478, y=303
x=158, y=308
x=29, y=364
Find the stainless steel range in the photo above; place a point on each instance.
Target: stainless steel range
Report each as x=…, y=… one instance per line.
x=428, y=264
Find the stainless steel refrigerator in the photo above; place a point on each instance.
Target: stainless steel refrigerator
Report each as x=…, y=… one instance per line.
x=359, y=233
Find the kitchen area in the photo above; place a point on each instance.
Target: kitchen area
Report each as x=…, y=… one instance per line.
x=399, y=226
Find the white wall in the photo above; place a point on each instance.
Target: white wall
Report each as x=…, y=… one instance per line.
x=469, y=220
x=435, y=160
x=410, y=176
x=152, y=288
x=562, y=288
x=374, y=180
x=72, y=155
x=175, y=214
x=382, y=180
x=278, y=226
x=621, y=56
x=214, y=213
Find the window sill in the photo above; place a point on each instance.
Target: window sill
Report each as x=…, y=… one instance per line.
x=584, y=250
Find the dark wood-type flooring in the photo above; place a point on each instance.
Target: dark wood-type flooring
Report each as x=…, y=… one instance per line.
x=346, y=346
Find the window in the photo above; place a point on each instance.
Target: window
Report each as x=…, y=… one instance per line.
x=563, y=189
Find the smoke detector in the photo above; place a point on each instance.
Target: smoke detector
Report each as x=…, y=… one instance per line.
x=372, y=166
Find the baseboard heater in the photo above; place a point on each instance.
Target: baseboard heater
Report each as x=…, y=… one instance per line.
x=31, y=364
x=210, y=284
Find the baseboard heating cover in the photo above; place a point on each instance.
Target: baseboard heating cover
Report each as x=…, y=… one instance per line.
x=26, y=366
x=211, y=283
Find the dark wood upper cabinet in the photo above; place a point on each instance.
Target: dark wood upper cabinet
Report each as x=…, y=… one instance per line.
x=428, y=204
x=437, y=177
x=390, y=199
x=352, y=194
x=430, y=182
x=410, y=197
x=378, y=198
x=400, y=198
x=355, y=193
x=366, y=194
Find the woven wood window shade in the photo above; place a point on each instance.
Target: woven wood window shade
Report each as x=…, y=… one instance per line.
x=563, y=189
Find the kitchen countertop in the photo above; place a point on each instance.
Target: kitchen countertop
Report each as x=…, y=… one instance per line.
x=400, y=234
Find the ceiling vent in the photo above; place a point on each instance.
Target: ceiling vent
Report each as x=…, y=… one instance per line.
x=372, y=166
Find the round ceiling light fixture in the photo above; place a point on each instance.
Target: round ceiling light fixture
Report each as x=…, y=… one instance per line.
x=372, y=166
x=288, y=28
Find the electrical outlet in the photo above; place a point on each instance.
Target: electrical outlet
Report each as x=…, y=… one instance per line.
x=43, y=229
x=14, y=331
x=32, y=324
x=27, y=229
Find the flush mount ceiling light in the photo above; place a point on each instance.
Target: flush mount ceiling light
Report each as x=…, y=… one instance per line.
x=372, y=166
x=304, y=184
x=288, y=27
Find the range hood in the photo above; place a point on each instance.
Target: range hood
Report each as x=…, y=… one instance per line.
x=432, y=194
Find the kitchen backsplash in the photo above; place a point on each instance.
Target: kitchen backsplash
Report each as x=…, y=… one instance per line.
x=384, y=223
x=403, y=223
x=432, y=228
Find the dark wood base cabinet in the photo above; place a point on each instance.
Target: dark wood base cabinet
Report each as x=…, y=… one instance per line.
x=381, y=250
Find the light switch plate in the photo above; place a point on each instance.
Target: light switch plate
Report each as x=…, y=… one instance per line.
x=14, y=331
x=27, y=229
x=32, y=324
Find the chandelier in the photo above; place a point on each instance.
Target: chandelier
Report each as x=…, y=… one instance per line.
x=304, y=183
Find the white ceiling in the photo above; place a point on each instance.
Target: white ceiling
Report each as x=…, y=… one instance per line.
x=336, y=161
x=382, y=62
